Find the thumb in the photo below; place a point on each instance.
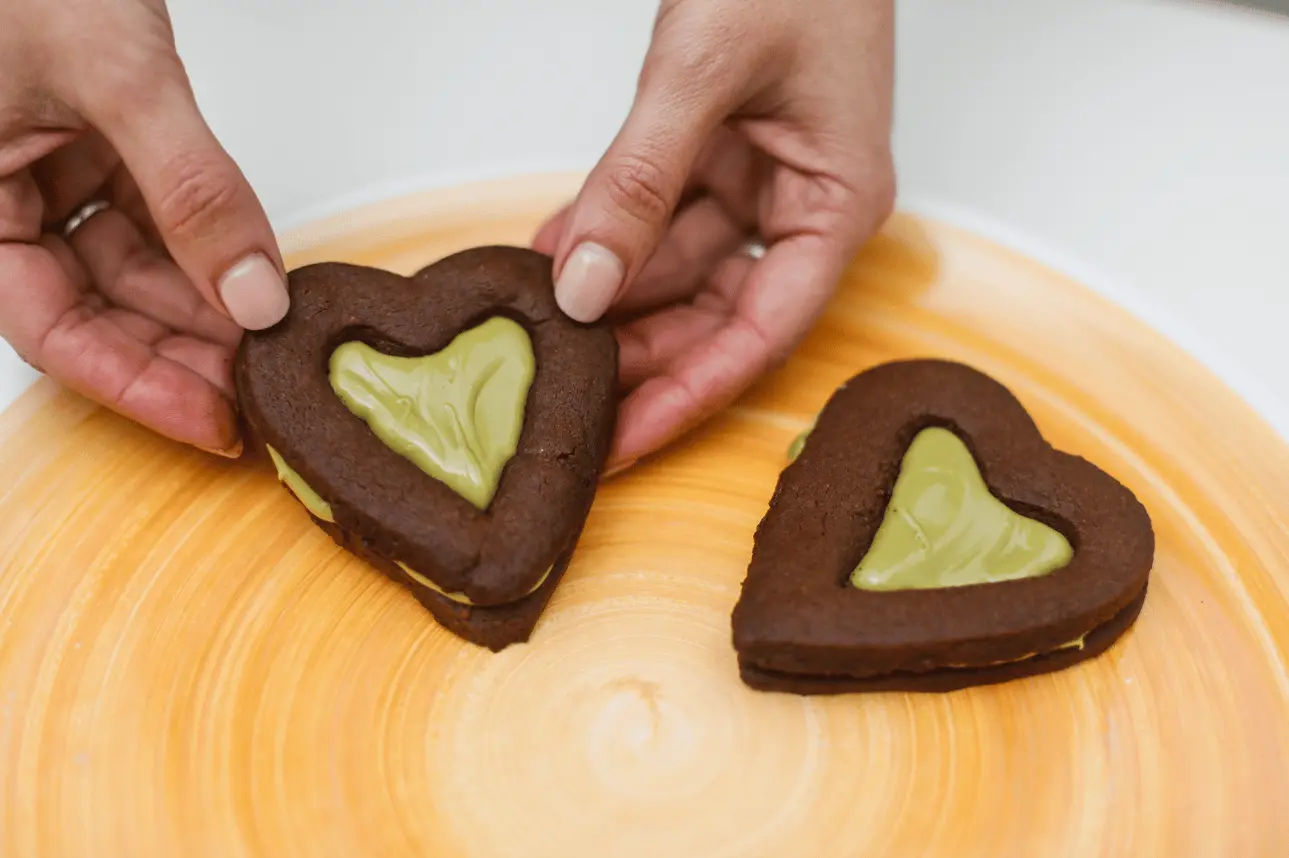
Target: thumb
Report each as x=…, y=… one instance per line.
x=204, y=209
x=623, y=210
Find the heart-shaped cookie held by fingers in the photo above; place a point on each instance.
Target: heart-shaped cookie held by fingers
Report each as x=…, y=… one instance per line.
x=449, y=428
x=925, y=537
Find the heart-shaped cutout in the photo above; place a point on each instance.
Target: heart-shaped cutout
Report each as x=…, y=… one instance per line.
x=449, y=428
x=931, y=618
x=455, y=414
x=944, y=528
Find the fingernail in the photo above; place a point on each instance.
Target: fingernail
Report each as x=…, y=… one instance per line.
x=589, y=282
x=617, y=468
x=254, y=293
x=233, y=452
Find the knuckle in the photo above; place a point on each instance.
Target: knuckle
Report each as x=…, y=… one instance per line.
x=200, y=190
x=855, y=203
x=699, y=62
x=700, y=78
x=699, y=42
x=701, y=74
x=885, y=189
x=638, y=185
x=879, y=191
x=128, y=82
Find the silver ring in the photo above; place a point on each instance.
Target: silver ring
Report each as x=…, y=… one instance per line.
x=84, y=213
x=754, y=248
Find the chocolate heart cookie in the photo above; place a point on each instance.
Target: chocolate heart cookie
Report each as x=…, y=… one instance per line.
x=926, y=537
x=449, y=428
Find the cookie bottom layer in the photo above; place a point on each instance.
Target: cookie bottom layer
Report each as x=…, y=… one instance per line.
x=494, y=626
x=1096, y=642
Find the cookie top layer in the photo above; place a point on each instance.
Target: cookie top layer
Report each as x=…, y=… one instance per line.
x=492, y=555
x=798, y=611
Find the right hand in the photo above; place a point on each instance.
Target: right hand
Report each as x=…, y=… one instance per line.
x=141, y=308
x=753, y=119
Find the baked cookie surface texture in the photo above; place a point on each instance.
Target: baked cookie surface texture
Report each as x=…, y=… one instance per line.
x=925, y=537
x=449, y=427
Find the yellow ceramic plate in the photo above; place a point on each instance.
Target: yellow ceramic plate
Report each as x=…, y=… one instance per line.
x=189, y=668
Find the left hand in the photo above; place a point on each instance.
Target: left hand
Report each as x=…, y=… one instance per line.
x=753, y=119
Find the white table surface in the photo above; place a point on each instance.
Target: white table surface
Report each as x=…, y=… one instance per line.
x=1143, y=146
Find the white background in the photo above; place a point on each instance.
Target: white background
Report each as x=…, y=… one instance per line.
x=1148, y=141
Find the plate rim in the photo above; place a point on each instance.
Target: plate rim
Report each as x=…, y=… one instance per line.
x=1120, y=291
x=1244, y=382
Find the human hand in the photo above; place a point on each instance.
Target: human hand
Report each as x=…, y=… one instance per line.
x=753, y=119
x=141, y=306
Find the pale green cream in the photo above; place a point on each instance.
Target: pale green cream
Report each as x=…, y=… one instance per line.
x=1074, y=644
x=307, y=496
x=457, y=415
x=322, y=510
x=944, y=528
x=798, y=444
x=462, y=597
